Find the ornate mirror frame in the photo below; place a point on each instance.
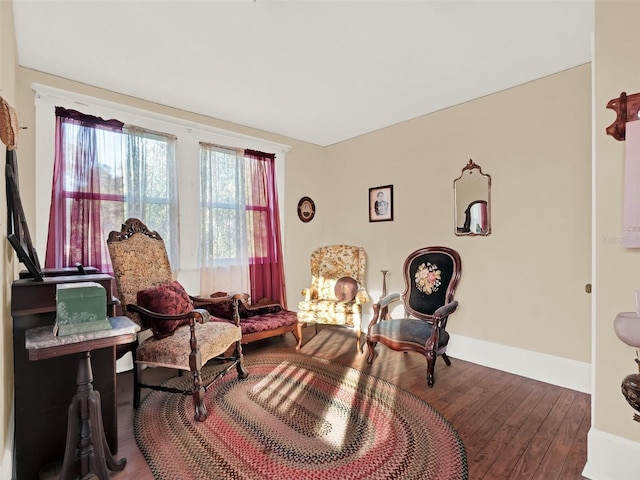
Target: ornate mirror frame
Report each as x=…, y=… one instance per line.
x=472, y=202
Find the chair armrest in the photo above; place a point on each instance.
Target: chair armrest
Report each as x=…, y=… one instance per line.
x=362, y=296
x=198, y=315
x=235, y=299
x=444, y=311
x=382, y=303
x=439, y=316
x=221, y=299
x=389, y=299
x=309, y=294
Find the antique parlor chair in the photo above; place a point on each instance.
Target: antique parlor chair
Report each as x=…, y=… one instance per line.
x=336, y=293
x=431, y=275
x=182, y=337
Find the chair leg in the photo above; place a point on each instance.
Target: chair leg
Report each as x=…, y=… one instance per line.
x=299, y=335
x=431, y=363
x=198, y=402
x=371, y=349
x=198, y=390
x=446, y=359
x=358, y=336
x=242, y=371
x=295, y=334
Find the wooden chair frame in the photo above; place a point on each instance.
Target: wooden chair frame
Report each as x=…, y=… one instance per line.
x=426, y=328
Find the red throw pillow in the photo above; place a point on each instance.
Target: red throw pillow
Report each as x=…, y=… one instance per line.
x=168, y=299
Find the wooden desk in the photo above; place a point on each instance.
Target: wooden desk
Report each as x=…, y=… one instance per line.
x=86, y=450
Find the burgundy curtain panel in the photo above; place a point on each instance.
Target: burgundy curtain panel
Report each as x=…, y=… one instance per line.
x=75, y=233
x=266, y=268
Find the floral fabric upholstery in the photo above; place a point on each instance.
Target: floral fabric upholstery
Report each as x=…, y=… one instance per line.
x=214, y=339
x=261, y=317
x=264, y=322
x=430, y=274
x=131, y=270
x=329, y=264
x=136, y=273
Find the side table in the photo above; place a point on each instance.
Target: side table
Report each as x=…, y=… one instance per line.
x=86, y=448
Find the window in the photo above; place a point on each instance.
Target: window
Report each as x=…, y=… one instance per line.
x=240, y=247
x=105, y=172
x=151, y=184
x=182, y=136
x=223, y=234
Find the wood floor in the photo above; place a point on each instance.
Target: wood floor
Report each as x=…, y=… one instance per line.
x=512, y=427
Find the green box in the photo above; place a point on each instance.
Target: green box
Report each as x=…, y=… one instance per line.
x=80, y=308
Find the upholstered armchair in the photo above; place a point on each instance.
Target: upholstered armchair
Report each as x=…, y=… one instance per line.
x=431, y=275
x=182, y=337
x=337, y=291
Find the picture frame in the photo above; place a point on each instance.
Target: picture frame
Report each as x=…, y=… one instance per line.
x=381, y=204
x=306, y=209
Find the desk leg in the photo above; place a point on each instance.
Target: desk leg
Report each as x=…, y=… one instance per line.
x=82, y=456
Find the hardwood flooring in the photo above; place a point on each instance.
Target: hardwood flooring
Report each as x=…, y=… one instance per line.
x=512, y=427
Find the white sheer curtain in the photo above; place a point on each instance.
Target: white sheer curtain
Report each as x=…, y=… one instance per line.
x=223, y=253
x=151, y=186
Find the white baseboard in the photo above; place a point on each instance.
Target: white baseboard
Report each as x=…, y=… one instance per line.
x=539, y=366
x=610, y=457
x=123, y=364
x=6, y=469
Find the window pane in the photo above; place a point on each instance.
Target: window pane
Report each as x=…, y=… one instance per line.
x=123, y=174
x=223, y=236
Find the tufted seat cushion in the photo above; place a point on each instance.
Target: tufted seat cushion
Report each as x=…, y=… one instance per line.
x=264, y=322
x=330, y=307
x=264, y=316
x=214, y=339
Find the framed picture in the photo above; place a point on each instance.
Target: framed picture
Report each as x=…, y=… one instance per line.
x=381, y=204
x=306, y=209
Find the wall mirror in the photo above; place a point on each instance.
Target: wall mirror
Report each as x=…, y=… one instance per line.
x=472, y=197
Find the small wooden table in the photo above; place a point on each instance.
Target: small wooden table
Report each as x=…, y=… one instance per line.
x=86, y=449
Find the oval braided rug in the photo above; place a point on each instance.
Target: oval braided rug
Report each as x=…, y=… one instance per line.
x=298, y=417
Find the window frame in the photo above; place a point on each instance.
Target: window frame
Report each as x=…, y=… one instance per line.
x=189, y=134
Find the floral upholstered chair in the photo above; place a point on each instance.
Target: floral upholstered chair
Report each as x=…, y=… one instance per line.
x=183, y=337
x=337, y=292
x=431, y=275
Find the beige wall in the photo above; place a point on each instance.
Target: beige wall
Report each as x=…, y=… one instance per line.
x=8, y=92
x=617, y=270
x=524, y=280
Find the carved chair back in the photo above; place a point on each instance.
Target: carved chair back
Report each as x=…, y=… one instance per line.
x=140, y=261
x=431, y=275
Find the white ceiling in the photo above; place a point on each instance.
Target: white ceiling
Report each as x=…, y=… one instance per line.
x=317, y=71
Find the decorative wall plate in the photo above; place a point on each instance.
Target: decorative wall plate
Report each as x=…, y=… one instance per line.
x=306, y=209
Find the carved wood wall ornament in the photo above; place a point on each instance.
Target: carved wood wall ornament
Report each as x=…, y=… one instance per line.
x=627, y=108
